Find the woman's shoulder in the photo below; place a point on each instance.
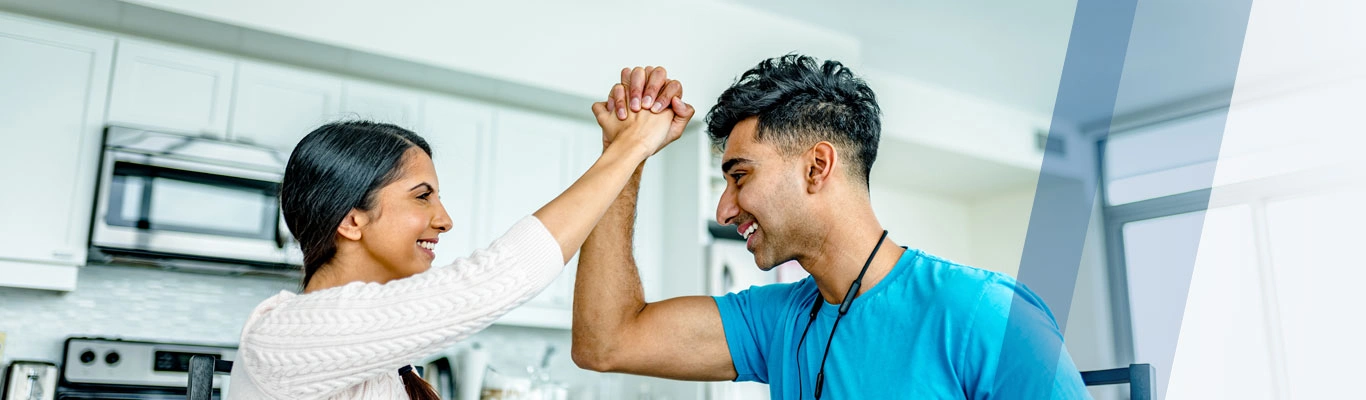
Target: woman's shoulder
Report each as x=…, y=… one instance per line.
x=265, y=308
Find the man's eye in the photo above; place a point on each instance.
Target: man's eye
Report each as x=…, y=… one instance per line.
x=736, y=177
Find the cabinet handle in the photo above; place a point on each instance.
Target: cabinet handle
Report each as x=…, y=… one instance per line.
x=63, y=253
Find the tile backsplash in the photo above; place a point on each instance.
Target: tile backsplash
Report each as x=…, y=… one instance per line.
x=161, y=305
x=133, y=303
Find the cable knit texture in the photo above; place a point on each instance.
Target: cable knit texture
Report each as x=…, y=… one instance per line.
x=348, y=342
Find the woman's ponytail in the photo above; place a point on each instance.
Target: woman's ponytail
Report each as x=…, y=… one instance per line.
x=417, y=388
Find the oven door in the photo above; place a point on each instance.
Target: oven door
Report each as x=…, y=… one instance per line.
x=124, y=394
x=163, y=206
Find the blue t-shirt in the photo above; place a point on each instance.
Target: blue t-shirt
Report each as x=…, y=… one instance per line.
x=931, y=329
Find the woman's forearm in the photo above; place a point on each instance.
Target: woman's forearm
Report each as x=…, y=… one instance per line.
x=571, y=216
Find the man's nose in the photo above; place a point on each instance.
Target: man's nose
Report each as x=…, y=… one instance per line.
x=727, y=208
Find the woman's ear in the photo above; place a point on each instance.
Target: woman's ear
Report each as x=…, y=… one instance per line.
x=352, y=224
x=820, y=164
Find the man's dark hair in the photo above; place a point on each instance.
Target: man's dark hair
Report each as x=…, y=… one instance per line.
x=800, y=102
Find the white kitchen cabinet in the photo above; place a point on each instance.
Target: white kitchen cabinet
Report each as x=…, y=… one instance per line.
x=457, y=130
x=534, y=157
x=55, y=80
x=380, y=103
x=171, y=88
x=276, y=105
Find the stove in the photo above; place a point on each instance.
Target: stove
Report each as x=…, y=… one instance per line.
x=97, y=368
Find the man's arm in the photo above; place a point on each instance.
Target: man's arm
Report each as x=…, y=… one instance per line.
x=615, y=330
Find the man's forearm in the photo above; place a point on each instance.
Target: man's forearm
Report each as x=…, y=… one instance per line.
x=607, y=291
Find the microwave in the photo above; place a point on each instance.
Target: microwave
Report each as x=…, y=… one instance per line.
x=191, y=202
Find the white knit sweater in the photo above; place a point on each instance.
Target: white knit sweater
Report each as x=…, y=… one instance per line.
x=348, y=342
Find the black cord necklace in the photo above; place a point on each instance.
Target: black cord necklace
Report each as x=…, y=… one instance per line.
x=844, y=309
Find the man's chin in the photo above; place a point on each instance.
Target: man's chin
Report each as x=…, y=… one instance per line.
x=766, y=263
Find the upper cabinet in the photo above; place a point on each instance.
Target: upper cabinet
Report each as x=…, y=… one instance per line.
x=55, y=81
x=532, y=158
x=457, y=130
x=535, y=157
x=276, y=106
x=171, y=88
x=380, y=103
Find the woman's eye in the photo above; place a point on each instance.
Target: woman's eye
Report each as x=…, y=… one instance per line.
x=424, y=196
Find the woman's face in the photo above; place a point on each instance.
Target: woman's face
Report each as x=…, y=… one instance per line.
x=401, y=231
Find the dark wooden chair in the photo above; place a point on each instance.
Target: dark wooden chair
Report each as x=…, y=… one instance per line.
x=1138, y=376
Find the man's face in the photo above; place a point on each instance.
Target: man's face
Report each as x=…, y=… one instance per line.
x=764, y=198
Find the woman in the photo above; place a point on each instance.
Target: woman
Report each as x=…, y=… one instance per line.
x=363, y=201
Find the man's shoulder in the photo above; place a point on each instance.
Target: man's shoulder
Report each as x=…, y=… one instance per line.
x=979, y=292
x=955, y=279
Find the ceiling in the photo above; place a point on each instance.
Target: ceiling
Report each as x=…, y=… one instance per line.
x=1011, y=52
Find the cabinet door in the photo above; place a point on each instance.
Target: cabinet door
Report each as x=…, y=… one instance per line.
x=650, y=225
x=456, y=130
x=276, y=106
x=535, y=157
x=54, y=81
x=171, y=88
x=380, y=103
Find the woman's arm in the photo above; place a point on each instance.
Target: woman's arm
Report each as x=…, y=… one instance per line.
x=314, y=346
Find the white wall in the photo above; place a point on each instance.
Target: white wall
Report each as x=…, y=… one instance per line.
x=938, y=225
x=998, y=225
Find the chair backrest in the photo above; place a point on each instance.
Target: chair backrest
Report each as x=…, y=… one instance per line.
x=202, y=369
x=1138, y=376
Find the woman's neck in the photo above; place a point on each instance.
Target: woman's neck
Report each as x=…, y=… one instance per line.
x=343, y=270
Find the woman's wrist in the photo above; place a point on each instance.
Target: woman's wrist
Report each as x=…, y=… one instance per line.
x=631, y=145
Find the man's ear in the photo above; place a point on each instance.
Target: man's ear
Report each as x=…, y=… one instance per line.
x=351, y=225
x=820, y=166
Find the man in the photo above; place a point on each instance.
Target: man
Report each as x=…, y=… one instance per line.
x=874, y=320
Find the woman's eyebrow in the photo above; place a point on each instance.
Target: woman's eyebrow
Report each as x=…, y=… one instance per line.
x=429, y=187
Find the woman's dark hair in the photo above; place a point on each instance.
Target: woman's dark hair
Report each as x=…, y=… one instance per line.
x=417, y=388
x=800, y=102
x=336, y=168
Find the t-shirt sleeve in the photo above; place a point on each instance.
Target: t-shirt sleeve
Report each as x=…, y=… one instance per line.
x=750, y=318
x=1013, y=348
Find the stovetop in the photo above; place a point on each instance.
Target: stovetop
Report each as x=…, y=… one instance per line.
x=100, y=368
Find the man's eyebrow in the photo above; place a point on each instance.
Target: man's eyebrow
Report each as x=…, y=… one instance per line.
x=725, y=168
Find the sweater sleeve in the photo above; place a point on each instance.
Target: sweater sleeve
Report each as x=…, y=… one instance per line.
x=313, y=346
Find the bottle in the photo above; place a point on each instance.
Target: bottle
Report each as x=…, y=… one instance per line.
x=472, y=363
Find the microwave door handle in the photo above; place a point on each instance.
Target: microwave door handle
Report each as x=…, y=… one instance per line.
x=280, y=234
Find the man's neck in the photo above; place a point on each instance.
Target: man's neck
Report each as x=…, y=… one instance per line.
x=843, y=251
